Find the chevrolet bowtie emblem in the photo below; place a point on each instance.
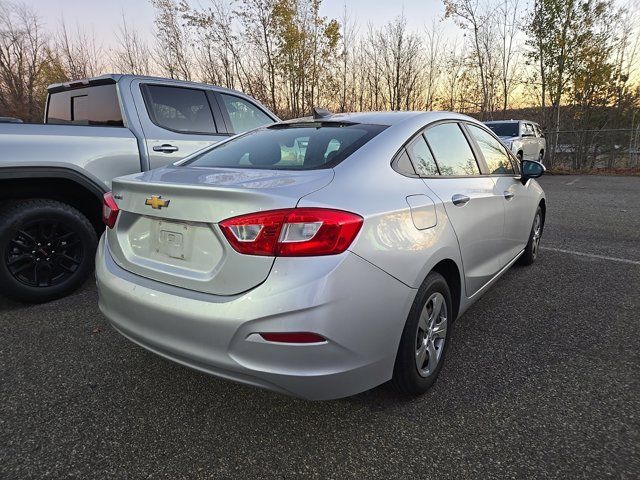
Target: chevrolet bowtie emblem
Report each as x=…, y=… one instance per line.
x=156, y=202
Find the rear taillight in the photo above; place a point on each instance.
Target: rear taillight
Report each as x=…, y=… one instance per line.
x=110, y=210
x=295, y=232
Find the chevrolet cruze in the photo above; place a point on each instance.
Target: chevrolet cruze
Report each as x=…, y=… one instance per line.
x=318, y=257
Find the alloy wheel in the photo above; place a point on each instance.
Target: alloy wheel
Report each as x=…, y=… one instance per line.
x=44, y=253
x=537, y=233
x=431, y=334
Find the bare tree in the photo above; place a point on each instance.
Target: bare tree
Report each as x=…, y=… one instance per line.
x=454, y=68
x=395, y=66
x=347, y=57
x=259, y=31
x=23, y=62
x=132, y=54
x=78, y=52
x=433, y=67
x=471, y=16
x=173, y=41
x=507, y=15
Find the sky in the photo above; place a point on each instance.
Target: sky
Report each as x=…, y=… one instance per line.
x=102, y=17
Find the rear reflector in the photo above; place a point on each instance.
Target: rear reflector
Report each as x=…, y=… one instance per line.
x=293, y=337
x=295, y=232
x=110, y=210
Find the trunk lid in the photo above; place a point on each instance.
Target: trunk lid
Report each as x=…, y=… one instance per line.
x=167, y=227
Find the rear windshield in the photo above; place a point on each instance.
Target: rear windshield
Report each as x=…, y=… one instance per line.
x=96, y=105
x=304, y=146
x=506, y=129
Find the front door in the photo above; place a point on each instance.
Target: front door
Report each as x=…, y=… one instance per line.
x=176, y=121
x=514, y=196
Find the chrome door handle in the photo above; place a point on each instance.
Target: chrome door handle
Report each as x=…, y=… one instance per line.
x=165, y=148
x=509, y=195
x=460, y=200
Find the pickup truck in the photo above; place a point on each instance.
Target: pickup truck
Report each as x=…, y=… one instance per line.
x=523, y=137
x=53, y=176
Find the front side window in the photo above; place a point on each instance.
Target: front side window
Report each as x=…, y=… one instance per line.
x=184, y=110
x=452, y=151
x=493, y=151
x=304, y=146
x=424, y=162
x=244, y=115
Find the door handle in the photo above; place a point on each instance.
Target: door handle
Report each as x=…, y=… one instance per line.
x=165, y=148
x=509, y=195
x=460, y=200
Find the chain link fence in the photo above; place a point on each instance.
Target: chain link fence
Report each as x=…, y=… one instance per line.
x=610, y=149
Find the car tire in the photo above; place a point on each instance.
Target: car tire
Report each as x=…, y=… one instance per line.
x=533, y=245
x=425, y=338
x=519, y=156
x=47, y=250
x=541, y=156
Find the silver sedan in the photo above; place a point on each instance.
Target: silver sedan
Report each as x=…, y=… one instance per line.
x=318, y=257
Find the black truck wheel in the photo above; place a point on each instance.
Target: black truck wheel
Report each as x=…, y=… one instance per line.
x=47, y=250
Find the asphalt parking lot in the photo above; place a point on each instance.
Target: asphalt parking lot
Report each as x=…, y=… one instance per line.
x=542, y=380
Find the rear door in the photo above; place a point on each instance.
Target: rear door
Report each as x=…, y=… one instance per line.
x=503, y=170
x=176, y=120
x=470, y=199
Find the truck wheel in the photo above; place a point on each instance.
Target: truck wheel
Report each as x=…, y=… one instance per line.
x=47, y=250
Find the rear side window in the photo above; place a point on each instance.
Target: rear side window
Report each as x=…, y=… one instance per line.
x=184, y=110
x=289, y=147
x=423, y=161
x=97, y=106
x=452, y=151
x=493, y=151
x=243, y=114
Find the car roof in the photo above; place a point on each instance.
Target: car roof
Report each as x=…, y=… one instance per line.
x=384, y=118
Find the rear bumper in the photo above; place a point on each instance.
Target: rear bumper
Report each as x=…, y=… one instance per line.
x=360, y=309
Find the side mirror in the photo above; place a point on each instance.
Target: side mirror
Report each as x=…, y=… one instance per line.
x=531, y=169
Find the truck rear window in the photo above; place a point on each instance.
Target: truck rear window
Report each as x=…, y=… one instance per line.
x=97, y=105
x=303, y=146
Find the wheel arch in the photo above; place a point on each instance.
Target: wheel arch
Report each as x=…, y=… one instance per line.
x=61, y=184
x=543, y=208
x=448, y=268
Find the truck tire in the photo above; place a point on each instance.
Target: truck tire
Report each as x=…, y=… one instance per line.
x=47, y=250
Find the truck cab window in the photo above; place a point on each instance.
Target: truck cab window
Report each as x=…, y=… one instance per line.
x=184, y=110
x=243, y=114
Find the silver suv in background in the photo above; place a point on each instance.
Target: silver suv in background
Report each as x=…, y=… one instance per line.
x=524, y=138
x=53, y=176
